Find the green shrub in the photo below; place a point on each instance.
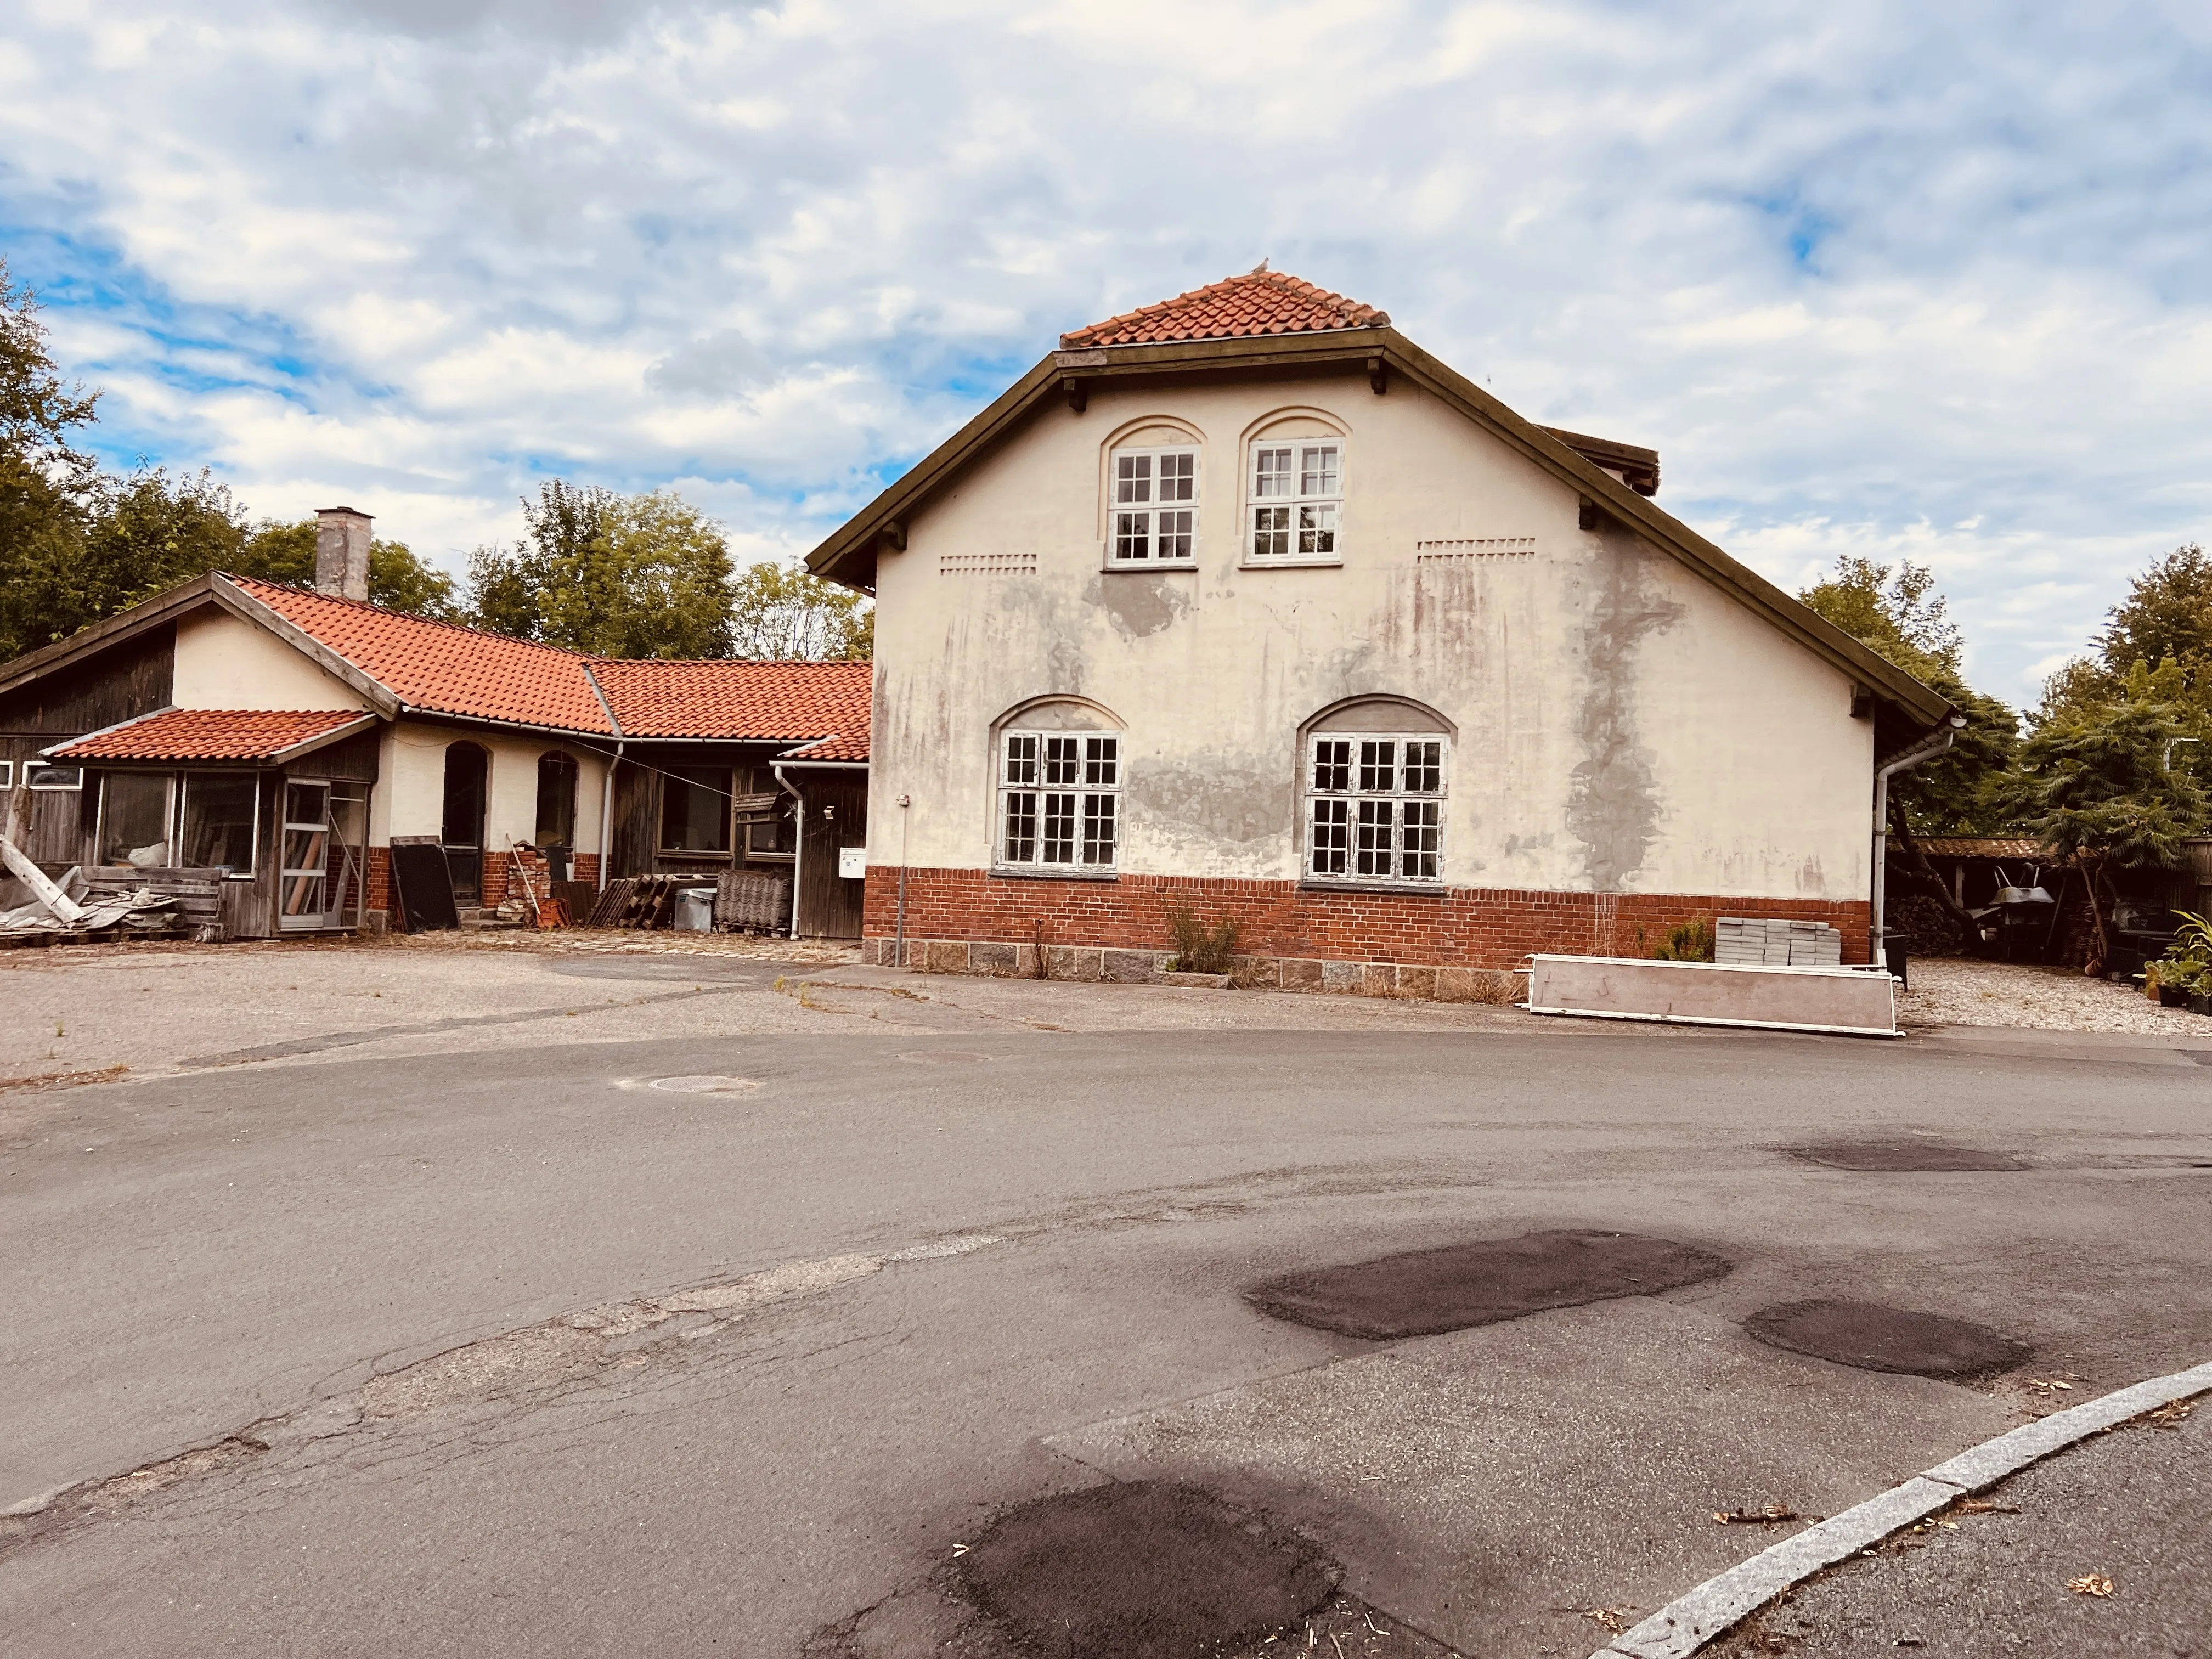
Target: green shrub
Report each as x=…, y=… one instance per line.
x=1688, y=941
x=1199, y=949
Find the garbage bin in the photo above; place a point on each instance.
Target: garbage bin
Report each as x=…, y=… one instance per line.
x=1892, y=957
x=694, y=910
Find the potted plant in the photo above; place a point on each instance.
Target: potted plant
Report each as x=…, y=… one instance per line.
x=2184, y=975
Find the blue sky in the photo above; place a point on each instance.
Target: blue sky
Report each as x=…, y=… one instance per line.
x=1909, y=282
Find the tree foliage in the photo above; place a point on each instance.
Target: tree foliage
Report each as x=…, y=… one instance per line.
x=649, y=575
x=613, y=575
x=1900, y=615
x=780, y=611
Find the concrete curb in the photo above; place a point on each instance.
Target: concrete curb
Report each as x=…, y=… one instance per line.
x=1687, y=1623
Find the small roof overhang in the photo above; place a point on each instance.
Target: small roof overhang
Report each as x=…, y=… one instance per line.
x=202, y=736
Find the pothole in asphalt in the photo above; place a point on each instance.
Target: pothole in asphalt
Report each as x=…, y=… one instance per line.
x=943, y=1057
x=1872, y=1338
x=706, y=1085
x=1929, y=1156
x=1148, y=1569
x=1422, y=1292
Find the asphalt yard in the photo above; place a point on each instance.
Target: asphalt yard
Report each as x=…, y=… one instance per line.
x=508, y=1301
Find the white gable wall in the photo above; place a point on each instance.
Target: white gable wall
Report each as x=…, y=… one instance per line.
x=1621, y=726
x=224, y=661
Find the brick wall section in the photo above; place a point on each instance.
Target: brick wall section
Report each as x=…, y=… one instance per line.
x=587, y=868
x=1459, y=927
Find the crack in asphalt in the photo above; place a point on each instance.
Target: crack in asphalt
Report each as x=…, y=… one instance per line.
x=377, y=1033
x=457, y=1400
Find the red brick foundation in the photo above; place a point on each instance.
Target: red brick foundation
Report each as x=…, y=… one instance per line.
x=1457, y=927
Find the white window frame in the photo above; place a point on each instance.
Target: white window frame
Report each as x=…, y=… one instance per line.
x=7, y=775
x=34, y=780
x=1365, y=827
x=172, y=814
x=1299, y=508
x=1136, y=506
x=1055, y=792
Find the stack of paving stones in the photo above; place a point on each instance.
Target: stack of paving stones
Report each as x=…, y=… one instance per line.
x=1776, y=942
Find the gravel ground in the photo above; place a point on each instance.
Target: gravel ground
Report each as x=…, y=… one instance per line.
x=1958, y=991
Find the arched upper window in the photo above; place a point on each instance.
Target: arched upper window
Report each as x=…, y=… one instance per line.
x=1058, y=789
x=556, y=801
x=1294, y=490
x=1376, y=776
x=1153, y=481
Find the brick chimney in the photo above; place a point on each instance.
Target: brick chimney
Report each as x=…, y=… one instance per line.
x=341, y=552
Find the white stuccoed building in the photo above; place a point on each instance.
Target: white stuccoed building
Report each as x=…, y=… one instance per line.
x=1243, y=601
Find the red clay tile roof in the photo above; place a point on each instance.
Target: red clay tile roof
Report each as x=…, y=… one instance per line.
x=781, y=700
x=1979, y=846
x=452, y=670
x=443, y=666
x=839, y=748
x=1260, y=302
x=211, y=734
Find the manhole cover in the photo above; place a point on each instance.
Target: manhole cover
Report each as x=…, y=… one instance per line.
x=1424, y=1291
x=1143, y=1571
x=1872, y=1338
x=943, y=1057
x=705, y=1086
x=1903, y=1155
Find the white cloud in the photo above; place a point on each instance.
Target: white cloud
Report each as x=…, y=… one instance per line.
x=1857, y=272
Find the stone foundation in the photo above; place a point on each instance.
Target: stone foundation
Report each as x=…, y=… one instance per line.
x=1098, y=964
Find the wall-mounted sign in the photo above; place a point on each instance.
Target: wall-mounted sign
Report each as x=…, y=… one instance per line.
x=852, y=863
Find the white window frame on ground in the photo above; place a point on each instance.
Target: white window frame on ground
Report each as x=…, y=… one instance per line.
x=1294, y=500
x=1151, y=505
x=1375, y=808
x=1059, y=802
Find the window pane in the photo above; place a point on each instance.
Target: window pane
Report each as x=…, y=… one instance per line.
x=218, y=821
x=1316, y=529
x=1332, y=836
x=1376, y=767
x=1132, y=535
x=1100, y=761
x=1059, y=830
x=1375, y=854
x=1423, y=772
x=1098, y=829
x=1317, y=473
x=556, y=801
x=1271, y=531
x=134, y=820
x=694, y=811
x=1175, y=532
x=1178, y=477
x=1021, y=826
x=1271, y=472
x=1133, y=478
x=1021, y=760
x=1419, y=829
x=1060, y=759
x=1333, y=763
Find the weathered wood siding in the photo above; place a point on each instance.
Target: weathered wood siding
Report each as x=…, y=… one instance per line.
x=132, y=677
x=837, y=816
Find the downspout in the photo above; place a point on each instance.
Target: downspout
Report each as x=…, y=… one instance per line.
x=607, y=798
x=797, y=841
x=1926, y=750
x=607, y=817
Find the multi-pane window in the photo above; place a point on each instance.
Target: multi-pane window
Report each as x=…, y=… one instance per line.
x=1296, y=499
x=1154, y=513
x=1060, y=799
x=1375, y=808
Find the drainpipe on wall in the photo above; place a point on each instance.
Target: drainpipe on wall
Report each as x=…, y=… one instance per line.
x=607, y=817
x=797, y=841
x=898, y=949
x=1926, y=750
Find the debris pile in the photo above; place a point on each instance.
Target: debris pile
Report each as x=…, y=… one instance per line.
x=37, y=909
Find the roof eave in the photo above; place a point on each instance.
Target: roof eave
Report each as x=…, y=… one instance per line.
x=848, y=556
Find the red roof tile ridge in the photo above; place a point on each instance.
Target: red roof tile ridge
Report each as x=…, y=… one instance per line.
x=251, y=582
x=1255, y=303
